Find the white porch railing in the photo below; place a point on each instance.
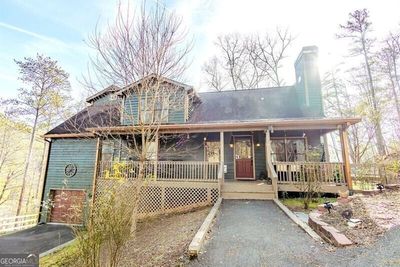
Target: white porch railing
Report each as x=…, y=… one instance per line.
x=298, y=172
x=16, y=223
x=160, y=170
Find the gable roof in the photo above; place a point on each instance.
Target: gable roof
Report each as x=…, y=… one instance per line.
x=245, y=105
x=110, y=89
x=91, y=116
x=154, y=76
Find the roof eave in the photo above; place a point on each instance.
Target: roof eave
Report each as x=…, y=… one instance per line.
x=298, y=124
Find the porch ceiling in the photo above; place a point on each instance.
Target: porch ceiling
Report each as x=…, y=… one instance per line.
x=325, y=124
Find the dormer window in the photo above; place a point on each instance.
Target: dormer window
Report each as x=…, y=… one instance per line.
x=154, y=110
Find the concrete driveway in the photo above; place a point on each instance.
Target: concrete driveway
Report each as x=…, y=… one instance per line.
x=36, y=240
x=258, y=233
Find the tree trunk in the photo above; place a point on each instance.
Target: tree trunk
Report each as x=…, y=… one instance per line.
x=380, y=141
x=28, y=159
x=42, y=159
x=396, y=97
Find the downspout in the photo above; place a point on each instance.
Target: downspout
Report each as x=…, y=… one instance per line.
x=45, y=178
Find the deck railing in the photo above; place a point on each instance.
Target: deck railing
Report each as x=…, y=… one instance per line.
x=299, y=172
x=16, y=223
x=160, y=170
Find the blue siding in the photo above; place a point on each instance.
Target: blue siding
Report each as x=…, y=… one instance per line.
x=130, y=112
x=176, y=112
x=82, y=153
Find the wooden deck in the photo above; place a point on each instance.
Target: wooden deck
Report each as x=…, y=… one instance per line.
x=286, y=176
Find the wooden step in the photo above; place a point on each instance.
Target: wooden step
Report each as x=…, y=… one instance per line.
x=248, y=195
x=246, y=187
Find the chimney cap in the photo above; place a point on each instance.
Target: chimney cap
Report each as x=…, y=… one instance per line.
x=311, y=49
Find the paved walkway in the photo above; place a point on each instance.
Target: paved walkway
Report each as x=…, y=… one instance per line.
x=38, y=239
x=258, y=233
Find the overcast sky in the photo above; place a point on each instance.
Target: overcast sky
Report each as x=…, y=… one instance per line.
x=58, y=29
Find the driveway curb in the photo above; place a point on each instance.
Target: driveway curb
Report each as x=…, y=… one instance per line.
x=198, y=239
x=297, y=221
x=50, y=251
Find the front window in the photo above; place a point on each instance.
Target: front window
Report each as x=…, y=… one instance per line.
x=151, y=152
x=212, y=151
x=153, y=110
x=288, y=149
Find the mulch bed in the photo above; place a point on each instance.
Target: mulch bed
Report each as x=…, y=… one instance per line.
x=378, y=213
x=163, y=241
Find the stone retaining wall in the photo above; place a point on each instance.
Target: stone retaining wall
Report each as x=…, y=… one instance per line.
x=327, y=232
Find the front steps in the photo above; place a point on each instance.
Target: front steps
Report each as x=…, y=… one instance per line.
x=247, y=190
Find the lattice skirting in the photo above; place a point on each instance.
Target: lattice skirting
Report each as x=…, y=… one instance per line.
x=163, y=197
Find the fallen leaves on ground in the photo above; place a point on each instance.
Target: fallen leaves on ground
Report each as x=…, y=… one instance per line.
x=378, y=213
x=163, y=241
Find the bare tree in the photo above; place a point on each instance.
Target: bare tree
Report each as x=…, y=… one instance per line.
x=340, y=103
x=43, y=77
x=389, y=57
x=233, y=51
x=214, y=74
x=357, y=29
x=271, y=51
x=140, y=53
x=248, y=61
x=9, y=167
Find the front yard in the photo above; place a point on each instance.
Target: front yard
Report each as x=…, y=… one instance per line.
x=377, y=214
x=297, y=204
x=162, y=241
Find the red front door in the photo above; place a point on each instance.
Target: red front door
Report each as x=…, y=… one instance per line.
x=244, y=158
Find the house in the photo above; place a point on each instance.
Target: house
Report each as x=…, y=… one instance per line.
x=241, y=144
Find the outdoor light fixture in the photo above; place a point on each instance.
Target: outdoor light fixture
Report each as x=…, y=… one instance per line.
x=258, y=144
x=328, y=206
x=231, y=141
x=380, y=187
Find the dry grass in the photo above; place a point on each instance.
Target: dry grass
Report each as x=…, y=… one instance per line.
x=163, y=241
x=297, y=204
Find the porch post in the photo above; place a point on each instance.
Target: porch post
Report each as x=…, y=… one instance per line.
x=221, y=156
x=267, y=147
x=156, y=140
x=97, y=167
x=344, y=141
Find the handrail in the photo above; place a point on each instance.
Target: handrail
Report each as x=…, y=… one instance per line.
x=274, y=177
x=220, y=178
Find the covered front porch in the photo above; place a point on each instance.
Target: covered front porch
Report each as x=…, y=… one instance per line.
x=242, y=160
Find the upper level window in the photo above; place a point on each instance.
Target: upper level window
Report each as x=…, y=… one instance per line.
x=154, y=110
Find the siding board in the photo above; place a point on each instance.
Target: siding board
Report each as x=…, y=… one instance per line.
x=82, y=153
